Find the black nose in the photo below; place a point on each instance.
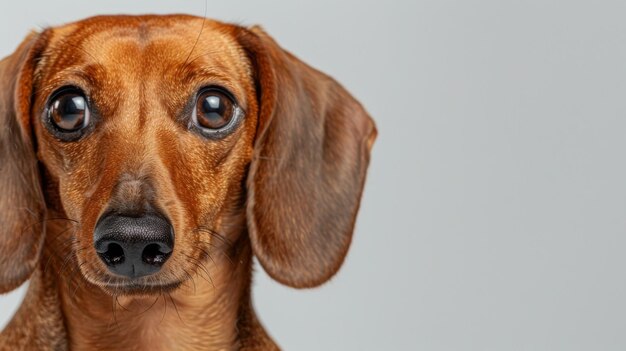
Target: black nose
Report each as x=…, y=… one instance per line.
x=134, y=246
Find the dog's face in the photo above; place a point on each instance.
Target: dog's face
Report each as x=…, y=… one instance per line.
x=138, y=132
x=166, y=139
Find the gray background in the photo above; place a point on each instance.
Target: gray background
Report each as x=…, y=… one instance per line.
x=494, y=213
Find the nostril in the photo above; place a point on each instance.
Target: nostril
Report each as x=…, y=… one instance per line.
x=113, y=255
x=155, y=254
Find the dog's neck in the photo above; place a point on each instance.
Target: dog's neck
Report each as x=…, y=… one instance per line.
x=211, y=311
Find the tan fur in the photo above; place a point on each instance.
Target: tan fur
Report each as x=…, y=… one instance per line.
x=284, y=186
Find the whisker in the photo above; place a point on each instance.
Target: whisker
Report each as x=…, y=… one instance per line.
x=199, y=265
x=197, y=262
x=64, y=246
x=206, y=7
x=164, y=307
x=122, y=306
x=207, y=253
x=176, y=309
x=72, y=273
x=215, y=234
x=152, y=305
x=48, y=220
x=219, y=251
x=192, y=280
x=69, y=257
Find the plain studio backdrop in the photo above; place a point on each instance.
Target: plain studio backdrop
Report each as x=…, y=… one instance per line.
x=494, y=215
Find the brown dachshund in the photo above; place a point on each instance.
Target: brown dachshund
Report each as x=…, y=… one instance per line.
x=145, y=159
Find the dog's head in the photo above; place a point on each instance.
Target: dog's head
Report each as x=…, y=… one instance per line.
x=161, y=139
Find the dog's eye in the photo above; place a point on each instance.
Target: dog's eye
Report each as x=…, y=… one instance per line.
x=215, y=110
x=68, y=111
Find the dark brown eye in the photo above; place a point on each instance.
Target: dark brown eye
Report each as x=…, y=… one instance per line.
x=69, y=112
x=214, y=110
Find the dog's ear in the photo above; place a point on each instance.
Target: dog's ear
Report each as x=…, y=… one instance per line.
x=22, y=208
x=311, y=154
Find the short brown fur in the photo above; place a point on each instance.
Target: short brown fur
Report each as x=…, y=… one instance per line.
x=284, y=186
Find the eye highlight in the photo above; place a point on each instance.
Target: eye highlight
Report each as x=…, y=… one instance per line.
x=68, y=113
x=216, y=112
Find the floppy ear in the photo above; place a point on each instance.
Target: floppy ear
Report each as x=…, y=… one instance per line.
x=22, y=207
x=306, y=178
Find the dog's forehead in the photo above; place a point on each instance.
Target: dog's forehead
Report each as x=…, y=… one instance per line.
x=99, y=37
x=114, y=48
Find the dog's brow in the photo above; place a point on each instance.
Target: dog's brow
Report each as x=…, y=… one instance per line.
x=206, y=77
x=92, y=74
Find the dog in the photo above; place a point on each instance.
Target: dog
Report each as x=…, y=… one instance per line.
x=144, y=161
